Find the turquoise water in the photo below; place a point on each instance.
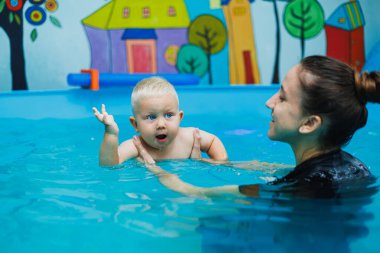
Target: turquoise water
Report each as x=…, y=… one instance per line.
x=55, y=198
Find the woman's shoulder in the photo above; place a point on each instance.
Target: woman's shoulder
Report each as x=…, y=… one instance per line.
x=333, y=167
x=326, y=176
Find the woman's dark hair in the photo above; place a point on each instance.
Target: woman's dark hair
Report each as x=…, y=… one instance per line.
x=337, y=93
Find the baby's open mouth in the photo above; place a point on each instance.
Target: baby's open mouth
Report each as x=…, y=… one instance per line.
x=161, y=136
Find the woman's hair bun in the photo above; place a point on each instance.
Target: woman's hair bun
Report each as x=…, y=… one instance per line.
x=367, y=86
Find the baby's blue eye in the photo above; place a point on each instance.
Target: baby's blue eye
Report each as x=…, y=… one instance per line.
x=151, y=117
x=168, y=115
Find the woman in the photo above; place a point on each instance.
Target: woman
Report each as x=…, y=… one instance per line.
x=319, y=107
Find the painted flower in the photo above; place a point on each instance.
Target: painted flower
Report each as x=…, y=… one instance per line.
x=35, y=15
x=14, y=5
x=51, y=5
x=37, y=2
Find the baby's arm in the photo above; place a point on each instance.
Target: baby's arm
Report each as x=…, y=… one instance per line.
x=213, y=146
x=127, y=150
x=109, y=148
x=110, y=153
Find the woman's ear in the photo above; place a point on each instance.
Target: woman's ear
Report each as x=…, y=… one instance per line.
x=311, y=124
x=133, y=123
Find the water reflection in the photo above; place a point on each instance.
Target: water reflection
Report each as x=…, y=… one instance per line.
x=291, y=224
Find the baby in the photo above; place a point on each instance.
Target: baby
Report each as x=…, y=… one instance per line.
x=156, y=116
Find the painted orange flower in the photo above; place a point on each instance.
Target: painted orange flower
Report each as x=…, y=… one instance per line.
x=51, y=5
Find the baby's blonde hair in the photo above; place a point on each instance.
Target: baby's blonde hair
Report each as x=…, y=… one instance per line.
x=152, y=87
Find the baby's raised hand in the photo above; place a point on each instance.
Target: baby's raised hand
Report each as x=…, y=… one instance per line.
x=106, y=119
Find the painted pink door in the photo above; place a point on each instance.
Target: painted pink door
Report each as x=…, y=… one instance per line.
x=142, y=59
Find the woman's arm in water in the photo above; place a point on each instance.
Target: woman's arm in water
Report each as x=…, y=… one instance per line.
x=174, y=183
x=251, y=165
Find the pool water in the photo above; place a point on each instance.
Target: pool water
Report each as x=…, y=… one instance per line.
x=55, y=198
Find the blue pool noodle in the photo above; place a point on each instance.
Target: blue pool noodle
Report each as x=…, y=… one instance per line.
x=112, y=79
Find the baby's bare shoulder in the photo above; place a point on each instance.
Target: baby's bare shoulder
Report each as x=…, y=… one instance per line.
x=186, y=134
x=187, y=129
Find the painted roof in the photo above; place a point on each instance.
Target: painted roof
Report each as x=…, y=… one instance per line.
x=122, y=14
x=226, y=2
x=348, y=16
x=135, y=33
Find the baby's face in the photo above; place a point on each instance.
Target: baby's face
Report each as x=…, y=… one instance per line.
x=158, y=120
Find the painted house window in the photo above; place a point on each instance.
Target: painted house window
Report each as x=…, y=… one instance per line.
x=126, y=12
x=146, y=12
x=171, y=11
x=171, y=53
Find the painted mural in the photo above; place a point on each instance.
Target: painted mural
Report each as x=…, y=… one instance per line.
x=303, y=19
x=243, y=62
x=13, y=14
x=137, y=36
x=217, y=40
x=148, y=36
x=277, y=42
x=208, y=33
x=345, y=34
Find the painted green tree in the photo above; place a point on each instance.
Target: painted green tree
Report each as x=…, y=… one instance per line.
x=12, y=18
x=303, y=19
x=210, y=34
x=191, y=59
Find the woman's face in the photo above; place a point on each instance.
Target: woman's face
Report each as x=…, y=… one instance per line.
x=287, y=115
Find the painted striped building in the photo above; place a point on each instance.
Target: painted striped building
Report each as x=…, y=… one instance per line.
x=345, y=34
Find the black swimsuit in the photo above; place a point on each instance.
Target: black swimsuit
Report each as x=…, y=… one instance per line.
x=322, y=176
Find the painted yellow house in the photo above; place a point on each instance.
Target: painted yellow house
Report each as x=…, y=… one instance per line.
x=137, y=36
x=242, y=50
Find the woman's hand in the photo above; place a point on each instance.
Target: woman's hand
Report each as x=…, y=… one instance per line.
x=148, y=159
x=196, y=151
x=143, y=154
x=173, y=182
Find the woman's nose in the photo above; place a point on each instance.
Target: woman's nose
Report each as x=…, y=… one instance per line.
x=271, y=102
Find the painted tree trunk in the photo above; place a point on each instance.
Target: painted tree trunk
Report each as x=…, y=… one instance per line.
x=14, y=32
x=276, y=75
